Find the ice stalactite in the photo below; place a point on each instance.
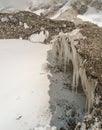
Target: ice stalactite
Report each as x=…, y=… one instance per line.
x=75, y=66
x=88, y=87
x=64, y=50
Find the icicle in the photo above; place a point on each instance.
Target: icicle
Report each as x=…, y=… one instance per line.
x=75, y=66
x=88, y=87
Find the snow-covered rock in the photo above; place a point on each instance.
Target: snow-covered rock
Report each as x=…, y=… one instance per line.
x=40, y=37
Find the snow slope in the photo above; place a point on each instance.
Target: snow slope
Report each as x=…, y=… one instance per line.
x=24, y=86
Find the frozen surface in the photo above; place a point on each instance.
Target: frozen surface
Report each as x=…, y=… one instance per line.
x=93, y=15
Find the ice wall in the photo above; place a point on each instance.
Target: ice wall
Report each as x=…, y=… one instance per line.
x=64, y=50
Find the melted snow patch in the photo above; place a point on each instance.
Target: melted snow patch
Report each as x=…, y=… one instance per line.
x=93, y=15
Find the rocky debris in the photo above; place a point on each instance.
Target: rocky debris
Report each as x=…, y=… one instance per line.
x=19, y=117
x=97, y=4
x=67, y=113
x=23, y=24
x=80, y=7
x=90, y=48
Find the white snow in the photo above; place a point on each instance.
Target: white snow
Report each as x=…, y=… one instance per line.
x=26, y=26
x=24, y=90
x=40, y=37
x=93, y=15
